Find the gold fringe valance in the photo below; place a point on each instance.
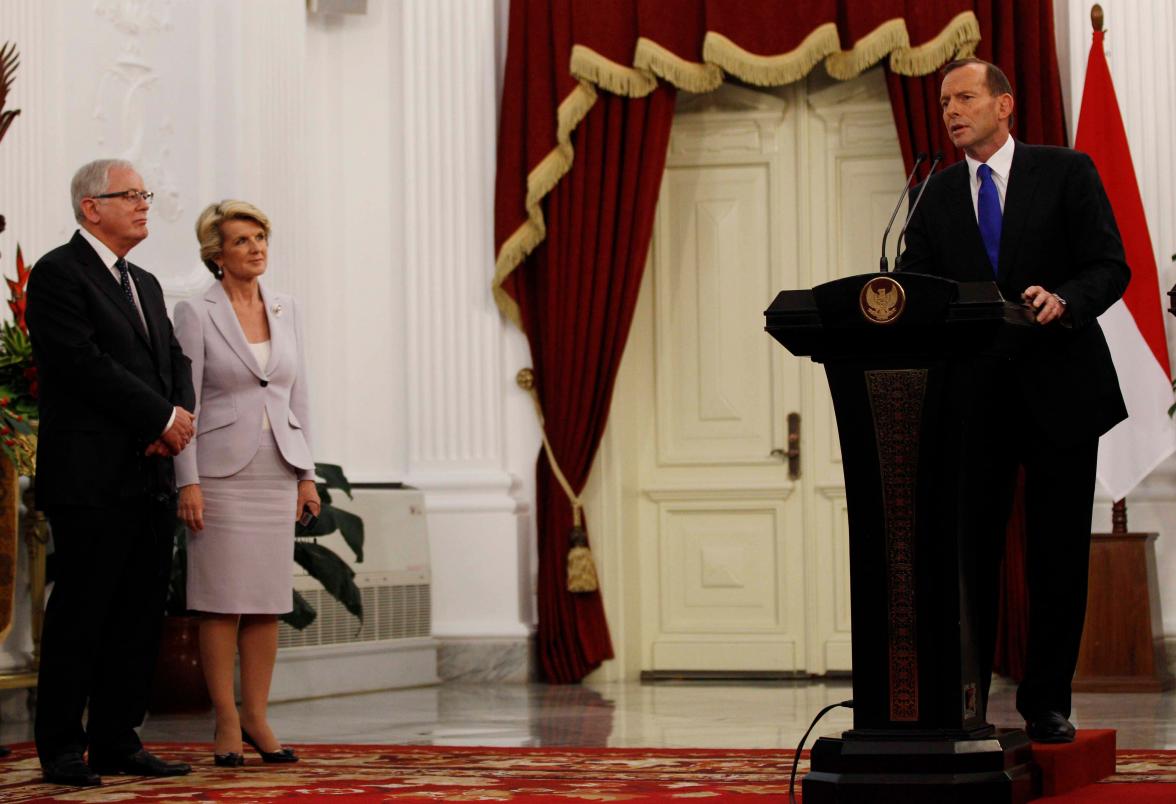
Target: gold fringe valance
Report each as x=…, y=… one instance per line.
x=540, y=181
x=868, y=51
x=956, y=41
x=664, y=63
x=721, y=57
x=771, y=71
x=590, y=66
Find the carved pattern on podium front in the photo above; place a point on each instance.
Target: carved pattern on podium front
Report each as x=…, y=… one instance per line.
x=896, y=403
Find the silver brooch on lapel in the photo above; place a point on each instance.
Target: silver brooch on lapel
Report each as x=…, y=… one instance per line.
x=277, y=310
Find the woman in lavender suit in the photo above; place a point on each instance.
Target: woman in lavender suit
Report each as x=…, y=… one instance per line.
x=247, y=475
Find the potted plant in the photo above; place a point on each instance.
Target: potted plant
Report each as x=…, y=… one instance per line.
x=322, y=563
x=18, y=377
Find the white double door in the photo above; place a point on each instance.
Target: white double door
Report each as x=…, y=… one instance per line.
x=717, y=556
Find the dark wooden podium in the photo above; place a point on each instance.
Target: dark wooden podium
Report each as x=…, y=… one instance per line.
x=900, y=352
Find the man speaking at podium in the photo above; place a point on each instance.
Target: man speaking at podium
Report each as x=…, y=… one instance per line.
x=1036, y=220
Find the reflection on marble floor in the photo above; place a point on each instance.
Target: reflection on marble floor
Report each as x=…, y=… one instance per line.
x=680, y=714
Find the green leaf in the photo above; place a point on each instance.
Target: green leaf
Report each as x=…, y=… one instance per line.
x=333, y=474
x=324, y=495
x=302, y=615
x=332, y=572
x=351, y=528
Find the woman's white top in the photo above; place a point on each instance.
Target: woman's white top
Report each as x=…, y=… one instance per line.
x=261, y=353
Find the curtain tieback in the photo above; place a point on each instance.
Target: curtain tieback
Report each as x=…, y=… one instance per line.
x=581, y=568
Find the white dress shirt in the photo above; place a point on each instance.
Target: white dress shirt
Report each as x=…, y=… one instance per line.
x=261, y=353
x=1001, y=163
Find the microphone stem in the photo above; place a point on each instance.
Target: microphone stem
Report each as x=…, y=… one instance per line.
x=902, y=235
x=883, y=267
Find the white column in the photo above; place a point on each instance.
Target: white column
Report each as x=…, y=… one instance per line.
x=456, y=388
x=34, y=195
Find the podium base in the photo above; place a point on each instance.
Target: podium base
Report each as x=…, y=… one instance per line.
x=995, y=770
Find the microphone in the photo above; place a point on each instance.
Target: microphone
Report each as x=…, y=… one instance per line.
x=901, y=235
x=882, y=264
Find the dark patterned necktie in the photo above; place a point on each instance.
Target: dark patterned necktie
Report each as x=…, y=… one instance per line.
x=124, y=281
x=988, y=215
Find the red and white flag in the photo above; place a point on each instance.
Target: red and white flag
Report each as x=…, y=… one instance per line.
x=1134, y=326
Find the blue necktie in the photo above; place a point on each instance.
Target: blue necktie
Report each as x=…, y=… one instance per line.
x=989, y=215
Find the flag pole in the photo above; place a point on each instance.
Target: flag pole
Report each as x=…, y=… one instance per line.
x=1123, y=646
x=1118, y=507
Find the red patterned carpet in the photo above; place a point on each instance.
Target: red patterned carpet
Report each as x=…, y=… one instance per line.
x=371, y=773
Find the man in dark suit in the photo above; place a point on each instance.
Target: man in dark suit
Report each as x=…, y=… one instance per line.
x=115, y=391
x=1036, y=220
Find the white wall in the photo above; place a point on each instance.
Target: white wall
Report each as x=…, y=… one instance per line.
x=370, y=141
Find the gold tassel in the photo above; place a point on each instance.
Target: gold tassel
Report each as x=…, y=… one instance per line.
x=581, y=567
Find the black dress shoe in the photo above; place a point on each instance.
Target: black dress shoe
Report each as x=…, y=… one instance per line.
x=1050, y=727
x=140, y=763
x=282, y=755
x=69, y=769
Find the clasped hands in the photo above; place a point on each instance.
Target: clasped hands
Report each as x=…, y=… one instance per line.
x=175, y=438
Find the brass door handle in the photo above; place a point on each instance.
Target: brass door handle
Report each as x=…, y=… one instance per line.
x=792, y=454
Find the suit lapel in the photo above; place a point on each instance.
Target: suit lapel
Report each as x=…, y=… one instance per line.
x=1022, y=184
x=102, y=278
x=970, y=252
x=148, y=302
x=225, y=320
x=153, y=311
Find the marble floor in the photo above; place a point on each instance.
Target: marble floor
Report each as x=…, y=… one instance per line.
x=664, y=714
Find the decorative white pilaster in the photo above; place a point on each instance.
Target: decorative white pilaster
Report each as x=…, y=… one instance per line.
x=269, y=100
x=456, y=384
x=34, y=192
x=455, y=389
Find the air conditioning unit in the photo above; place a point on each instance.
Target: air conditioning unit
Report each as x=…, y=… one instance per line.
x=393, y=646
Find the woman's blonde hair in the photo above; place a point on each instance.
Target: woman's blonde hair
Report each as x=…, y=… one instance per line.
x=208, y=228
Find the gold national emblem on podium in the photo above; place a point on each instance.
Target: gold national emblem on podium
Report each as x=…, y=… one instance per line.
x=882, y=300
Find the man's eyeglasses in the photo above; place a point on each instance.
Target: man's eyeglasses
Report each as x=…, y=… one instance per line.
x=134, y=196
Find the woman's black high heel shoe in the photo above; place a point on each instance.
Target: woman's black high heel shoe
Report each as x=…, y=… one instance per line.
x=229, y=760
x=281, y=755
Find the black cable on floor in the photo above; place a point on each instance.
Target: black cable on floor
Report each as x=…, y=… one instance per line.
x=796, y=759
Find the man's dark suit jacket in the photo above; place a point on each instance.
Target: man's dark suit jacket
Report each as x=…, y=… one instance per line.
x=106, y=390
x=1058, y=232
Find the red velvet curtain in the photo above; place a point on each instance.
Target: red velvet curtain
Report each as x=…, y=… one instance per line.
x=576, y=295
x=589, y=88
x=1019, y=38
